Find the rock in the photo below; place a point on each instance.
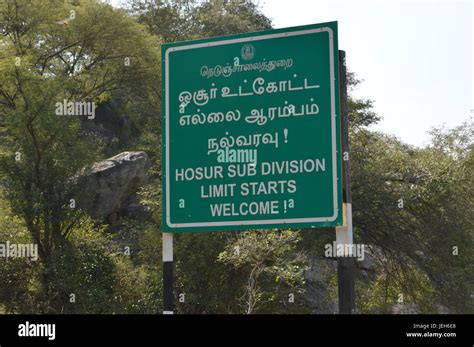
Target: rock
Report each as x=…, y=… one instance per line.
x=113, y=181
x=408, y=308
x=370, y=258
x=318, y=281
x=110, y=118
x=442, y=309
x=137, y=211
x=419, y=253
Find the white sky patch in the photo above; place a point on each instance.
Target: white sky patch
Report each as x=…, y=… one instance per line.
x=415, y=56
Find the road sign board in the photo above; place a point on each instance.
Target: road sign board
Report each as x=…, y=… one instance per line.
x=251, y=135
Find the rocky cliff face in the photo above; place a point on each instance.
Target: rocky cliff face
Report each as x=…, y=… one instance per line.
x=114, y=181
x=318, y=281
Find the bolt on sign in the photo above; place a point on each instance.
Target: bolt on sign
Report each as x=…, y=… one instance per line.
x=251, y=135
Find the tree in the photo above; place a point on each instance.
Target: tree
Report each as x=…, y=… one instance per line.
x=268, y=256
x=412, y=206
x=174, y=21
x=208, y=284
x=79, y=52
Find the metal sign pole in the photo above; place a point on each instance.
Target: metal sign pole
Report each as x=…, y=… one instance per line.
x=344, y=236
x=167, y=273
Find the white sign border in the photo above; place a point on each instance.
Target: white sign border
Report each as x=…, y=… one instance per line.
x=333, y=131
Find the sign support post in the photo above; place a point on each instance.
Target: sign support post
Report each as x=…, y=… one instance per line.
x=167, y=273
x=344, y=235
x=229, y=98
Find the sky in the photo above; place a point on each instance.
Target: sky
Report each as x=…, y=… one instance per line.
x=415, y=57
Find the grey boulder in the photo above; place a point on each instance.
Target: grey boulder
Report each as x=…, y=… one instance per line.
x=114, y=180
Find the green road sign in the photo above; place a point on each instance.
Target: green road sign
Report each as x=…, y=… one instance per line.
x=251, y=135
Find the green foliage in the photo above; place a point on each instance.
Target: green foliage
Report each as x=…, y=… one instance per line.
x=208, y=285
x=184, y=20
x=360, y=110
x=269, y=258
x=88, y=273
x=412, y=205
x=16, y=278
x=81, y=271
x=389, y=288
x=217, y=18
x=81, y=52
x=415, y=206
